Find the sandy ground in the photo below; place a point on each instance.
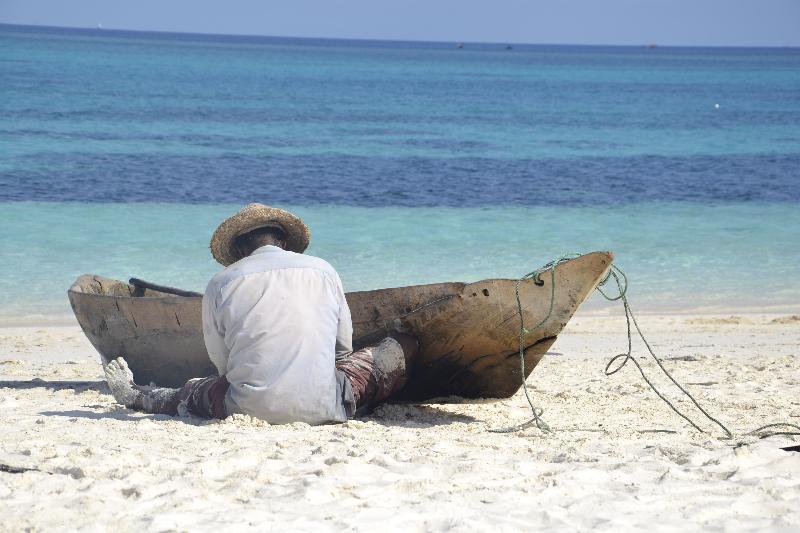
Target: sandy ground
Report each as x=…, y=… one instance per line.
x=617, y=459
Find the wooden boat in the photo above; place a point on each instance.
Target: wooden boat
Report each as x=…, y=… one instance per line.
x=468, y=332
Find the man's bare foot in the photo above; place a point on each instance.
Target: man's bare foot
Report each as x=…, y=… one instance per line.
x=120, y=380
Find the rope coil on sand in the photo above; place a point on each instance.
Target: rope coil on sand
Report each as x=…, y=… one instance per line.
x=621, y=281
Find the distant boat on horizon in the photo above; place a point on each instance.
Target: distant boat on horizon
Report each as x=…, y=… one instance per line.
x=99, y=25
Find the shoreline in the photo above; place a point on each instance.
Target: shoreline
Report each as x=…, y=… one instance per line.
x=249, y=38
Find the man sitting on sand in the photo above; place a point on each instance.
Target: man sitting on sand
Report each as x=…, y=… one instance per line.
x=277, y=327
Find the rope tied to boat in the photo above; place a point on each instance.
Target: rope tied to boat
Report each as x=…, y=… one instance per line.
x=621, y=281
x=534, y=275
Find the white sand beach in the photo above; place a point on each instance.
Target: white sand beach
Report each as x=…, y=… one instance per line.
x=618, y=459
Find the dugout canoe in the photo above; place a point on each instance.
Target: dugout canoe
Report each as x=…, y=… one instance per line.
x=468, y=332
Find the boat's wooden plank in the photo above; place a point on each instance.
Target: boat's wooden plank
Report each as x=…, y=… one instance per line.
x=144, y=287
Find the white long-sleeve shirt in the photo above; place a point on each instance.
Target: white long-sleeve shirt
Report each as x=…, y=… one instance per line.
x=273, y=323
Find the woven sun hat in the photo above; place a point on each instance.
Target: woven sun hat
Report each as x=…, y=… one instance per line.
x=254, y=216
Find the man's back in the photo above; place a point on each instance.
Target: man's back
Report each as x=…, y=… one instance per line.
x=273, y=323
x=277, y=327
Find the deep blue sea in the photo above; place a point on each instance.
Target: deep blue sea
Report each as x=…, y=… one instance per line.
x=413, y=162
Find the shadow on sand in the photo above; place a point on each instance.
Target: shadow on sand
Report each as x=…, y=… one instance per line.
x=396, y=415
x=118, y=413
x=35, y=383
x=392, y=414
x=416, y=416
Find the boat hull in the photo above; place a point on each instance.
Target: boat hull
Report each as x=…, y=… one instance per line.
x=468, y=332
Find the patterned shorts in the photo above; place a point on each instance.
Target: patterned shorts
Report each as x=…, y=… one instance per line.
x=375, y=373
x=204, y=397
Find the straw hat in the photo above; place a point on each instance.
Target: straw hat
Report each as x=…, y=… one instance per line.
x=253, y=216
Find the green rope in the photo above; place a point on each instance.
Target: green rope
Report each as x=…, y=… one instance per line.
x=536, y=419
x=762, y=434
x=621, y=281
x=622, y=287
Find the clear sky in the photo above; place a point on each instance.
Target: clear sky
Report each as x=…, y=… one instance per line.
x=665, y=22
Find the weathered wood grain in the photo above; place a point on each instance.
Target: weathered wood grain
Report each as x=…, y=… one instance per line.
x=468, y=332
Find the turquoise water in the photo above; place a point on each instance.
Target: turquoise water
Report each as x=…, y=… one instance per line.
x=677, y=255
x=120, y=152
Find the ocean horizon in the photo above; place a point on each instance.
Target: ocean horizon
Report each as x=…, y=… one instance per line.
x=38, y=28
x=413, y=162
